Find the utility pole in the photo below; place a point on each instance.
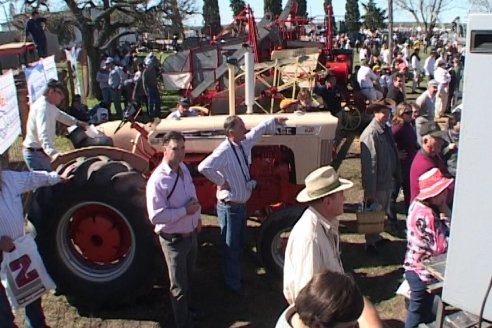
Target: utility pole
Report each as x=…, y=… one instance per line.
x=390, y=30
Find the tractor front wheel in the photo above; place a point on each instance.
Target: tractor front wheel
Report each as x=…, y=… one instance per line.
x=94, y=235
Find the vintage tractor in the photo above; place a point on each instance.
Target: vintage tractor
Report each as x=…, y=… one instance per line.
x=94, y=233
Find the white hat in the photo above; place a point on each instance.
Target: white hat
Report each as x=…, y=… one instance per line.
x=322, y=182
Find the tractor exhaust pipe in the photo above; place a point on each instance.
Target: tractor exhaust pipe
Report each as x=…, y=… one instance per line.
x=232, y=86
x=249, y=67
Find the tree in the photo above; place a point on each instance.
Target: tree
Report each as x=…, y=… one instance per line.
x=273, y=6
x=62, y=25
x=236, y=6
x=352, y=16
x=102, y=24
x=211, y=17
x=425, y=12
x=374, y=17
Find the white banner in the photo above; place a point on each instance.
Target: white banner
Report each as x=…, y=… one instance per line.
x=38, y=75
x=10, y=125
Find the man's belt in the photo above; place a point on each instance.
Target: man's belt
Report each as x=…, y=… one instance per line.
x=171, y=236
x=35, y=149
x=230, y=203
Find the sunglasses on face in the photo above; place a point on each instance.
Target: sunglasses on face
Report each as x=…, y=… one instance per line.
x=408, y=112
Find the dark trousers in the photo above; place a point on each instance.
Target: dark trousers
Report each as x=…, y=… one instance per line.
x=180, y=254
x=420, y=306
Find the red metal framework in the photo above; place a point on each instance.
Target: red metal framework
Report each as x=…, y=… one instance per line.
x=247, y=19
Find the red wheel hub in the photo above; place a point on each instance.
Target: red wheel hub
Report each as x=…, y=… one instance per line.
x=99, y=233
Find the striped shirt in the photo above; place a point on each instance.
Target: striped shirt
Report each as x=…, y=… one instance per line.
x=13, y=185
x=167, y=211
x=225, y=164
x=41, y=125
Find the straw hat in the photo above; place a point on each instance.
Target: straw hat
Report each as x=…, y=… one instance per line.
x=322, y=182
x=432, y=183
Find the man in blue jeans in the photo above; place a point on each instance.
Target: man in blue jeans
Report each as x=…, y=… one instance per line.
x=229, y=168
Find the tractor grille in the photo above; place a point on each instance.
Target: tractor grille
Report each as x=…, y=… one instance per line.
x=326, y=152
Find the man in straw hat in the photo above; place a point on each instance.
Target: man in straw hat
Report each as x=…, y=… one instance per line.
x=313, y=245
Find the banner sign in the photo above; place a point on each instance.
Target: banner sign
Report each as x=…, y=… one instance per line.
x=38, y=75
x=10, y=124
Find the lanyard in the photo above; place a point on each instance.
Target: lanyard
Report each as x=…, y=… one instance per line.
x=239, y=161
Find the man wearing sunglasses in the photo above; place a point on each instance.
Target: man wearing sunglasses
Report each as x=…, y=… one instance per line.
x=39, y=146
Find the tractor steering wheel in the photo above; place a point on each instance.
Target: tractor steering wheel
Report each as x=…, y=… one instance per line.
x=129, y=115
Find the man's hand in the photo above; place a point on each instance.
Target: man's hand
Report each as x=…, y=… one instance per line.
x=6, y=244
x=402, y=154
x=199, y=226
x=280, y=120
x=192, y=206
x=67, y=174
x=54, y=157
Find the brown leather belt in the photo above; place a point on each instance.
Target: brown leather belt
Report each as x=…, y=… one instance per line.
x=170, y=236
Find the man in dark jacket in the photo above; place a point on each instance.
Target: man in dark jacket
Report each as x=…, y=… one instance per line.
x=35, y=26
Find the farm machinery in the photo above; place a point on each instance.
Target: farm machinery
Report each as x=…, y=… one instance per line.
x=280, y=47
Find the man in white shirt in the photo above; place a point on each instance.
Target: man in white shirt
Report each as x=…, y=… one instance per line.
x=229, y=168
x=12, y=226
x=442, y=76
x=39, y=146
x=314, y=242
x=365, y=77
x=429, y=65
x=427, y=100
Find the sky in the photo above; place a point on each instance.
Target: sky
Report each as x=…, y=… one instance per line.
x=314, y=7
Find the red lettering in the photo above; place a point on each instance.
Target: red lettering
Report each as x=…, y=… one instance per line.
x=22, y=264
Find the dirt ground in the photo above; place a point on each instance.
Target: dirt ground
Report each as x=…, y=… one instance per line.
x=378, y=277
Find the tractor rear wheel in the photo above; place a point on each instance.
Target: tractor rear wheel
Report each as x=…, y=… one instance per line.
x=94, y=235
x=274, y=235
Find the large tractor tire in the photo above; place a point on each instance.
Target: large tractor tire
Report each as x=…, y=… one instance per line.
x=274, y=235
x=94, y=235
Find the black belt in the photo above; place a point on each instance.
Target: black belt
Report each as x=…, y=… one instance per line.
x=35, y=149
x=179, y=236
x=231, y=203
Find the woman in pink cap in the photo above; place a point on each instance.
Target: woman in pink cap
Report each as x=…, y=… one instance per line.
x=427, y=231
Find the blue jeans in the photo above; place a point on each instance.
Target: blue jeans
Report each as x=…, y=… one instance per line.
x=420, y=306
x=232, y=220
x=36, y=160
x=106, y=95
x=154, y=99
x=180, y=257
x=34, y=312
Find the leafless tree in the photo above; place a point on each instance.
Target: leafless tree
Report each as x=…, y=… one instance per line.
x=425, y=12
